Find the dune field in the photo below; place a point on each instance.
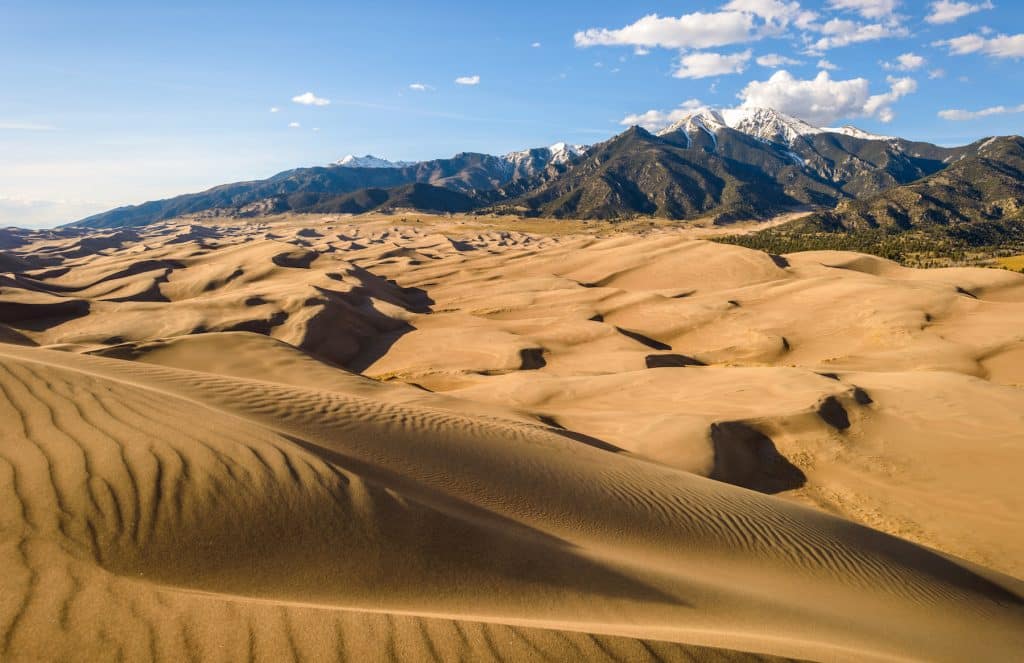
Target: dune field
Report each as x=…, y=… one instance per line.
x=442, y=439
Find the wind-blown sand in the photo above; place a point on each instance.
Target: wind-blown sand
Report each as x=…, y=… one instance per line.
x=336, y=439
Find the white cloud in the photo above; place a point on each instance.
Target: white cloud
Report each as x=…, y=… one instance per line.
x=962, y=115
x=880, y=105
x=840, y=32
x=274, y=109
x=703, y=65
x=774, y=11
x=294, y=125
x=947, y=11
x=310, y=99
x=936, y=73
x=696, y=30
x=535, y=44
x=468, y=80
x=1000, y=46
x=866, y=8
x=655, y=120
x=822, y=100
x=826, y=65
x=420, y=87
x=640, y=50
x=774, y=60
x=905, y=62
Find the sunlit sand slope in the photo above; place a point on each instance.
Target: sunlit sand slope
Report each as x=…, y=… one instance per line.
x=157, y=506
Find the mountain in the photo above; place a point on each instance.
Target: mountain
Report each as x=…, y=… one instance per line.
x=732, y=164
x=728, y=164
x=471, y=174
x=530, y=163
x=983, y=188
x=972, y=209
x=855, y=162
x=677, y=175
x=417, y=196
x=369, y=161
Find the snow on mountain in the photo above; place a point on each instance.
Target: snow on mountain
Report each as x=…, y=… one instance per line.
x=704, y=119
x=849, y=130
x=369, y=161
x=764, y=123
x=559, y=153
x=769, y=124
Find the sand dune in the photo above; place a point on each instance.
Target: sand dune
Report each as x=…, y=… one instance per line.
x=325, y=440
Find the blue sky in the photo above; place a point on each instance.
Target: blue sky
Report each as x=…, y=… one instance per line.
x=107, y=103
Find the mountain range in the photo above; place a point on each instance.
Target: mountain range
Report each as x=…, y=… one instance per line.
x=724, y=164
x=970, y=212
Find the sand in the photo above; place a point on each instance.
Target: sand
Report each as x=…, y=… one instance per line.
x=330, y=438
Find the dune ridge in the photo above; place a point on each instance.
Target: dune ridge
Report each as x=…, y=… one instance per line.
x=635, y=447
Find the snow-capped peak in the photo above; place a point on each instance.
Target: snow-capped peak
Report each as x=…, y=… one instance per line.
x=769, y=124
x=706, y=119
x=563, y=152
x=369, y=161
x=559, y=153
x=764, y=123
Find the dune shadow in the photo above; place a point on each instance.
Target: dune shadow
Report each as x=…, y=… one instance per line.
x=578, y=437
x=40, y=317
x=645, y=340
x=746, y=457
x=671, y=361
x=388, y=331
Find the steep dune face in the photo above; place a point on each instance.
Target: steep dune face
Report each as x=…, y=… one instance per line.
x=607, y=448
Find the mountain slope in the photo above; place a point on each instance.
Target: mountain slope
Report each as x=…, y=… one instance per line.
x=416, y=196
x=973, y=209
x=639, y=173
x=468, y=173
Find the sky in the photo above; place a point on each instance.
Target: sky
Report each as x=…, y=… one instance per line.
x=105, y=103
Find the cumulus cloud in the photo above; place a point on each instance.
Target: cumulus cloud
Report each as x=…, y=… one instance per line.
x=880, y=105
x=696, y=30
x=294, y=125
x=468, y=80
x=1000, y=46
x=775, y=60
x=310, y=99
x=947, y=11
x=826, y=65
x=774, y=11
x=420, y=87
x=961, y=115
x=655, y=120
x=821, y=100
x=535, y=44
x=840, y=32
x=703, y=65
x=936, y=73
x=866, y=8
x=905, y=62
x=274, y=109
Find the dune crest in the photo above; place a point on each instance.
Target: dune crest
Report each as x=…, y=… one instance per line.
x=446, y=441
